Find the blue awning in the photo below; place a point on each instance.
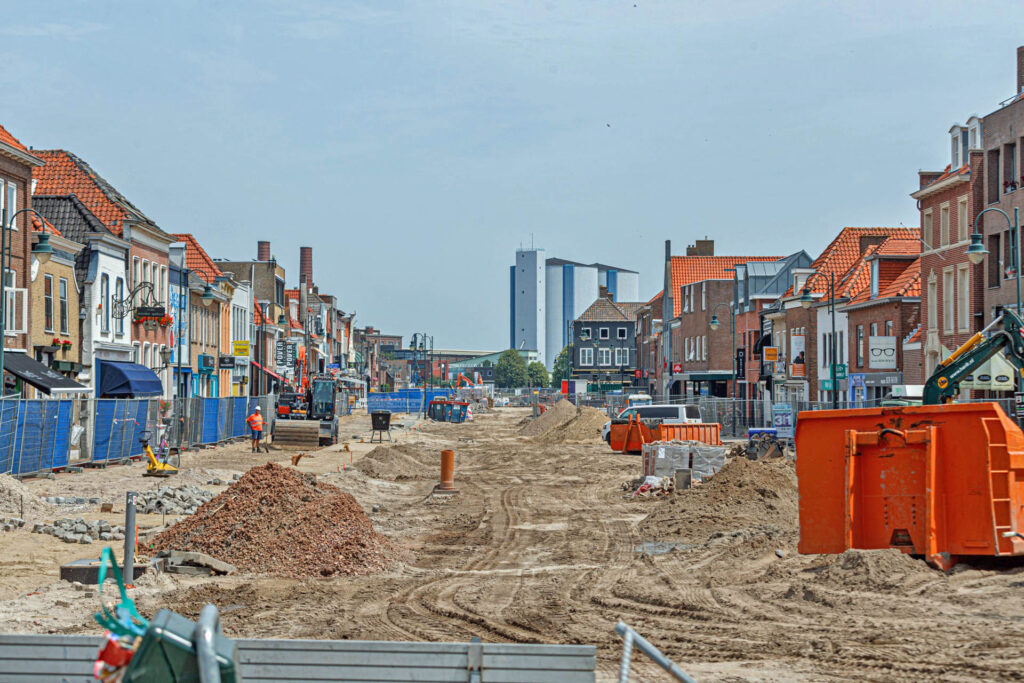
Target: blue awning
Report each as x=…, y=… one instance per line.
x=128, y=379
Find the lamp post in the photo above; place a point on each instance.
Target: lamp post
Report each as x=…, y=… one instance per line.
x=714, y=325
x=41, y=250
x=976, y=252
x=807, y=301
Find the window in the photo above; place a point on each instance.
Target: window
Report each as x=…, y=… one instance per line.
x=119, y=293
x=994, y=277
x=703, y=296
x=947, y=300
x=105, y=300
x=1010, y=167
x=603, y=333
x=621, y=357
x=621, y=333
x=586, y=357
x=874, y=278
x=160, y=284
x=604, y=356
x=944, y=224
x=926, y=227
x=933, y=302
x=585, y=334
x=12, y=203
x=961, y=219
x=135, y=352
x=704, y=348
x=145, y=354
x=48, y=302
x=63, y=305
x=860, y=346
x=1008, y=264
x=874, y=329
x=17, y=320
x=135, y=271
x=888, y=328
x=145, y=271
x=963, y=297
x=992, y=171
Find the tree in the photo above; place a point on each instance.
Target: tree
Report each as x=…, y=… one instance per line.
x=562, y=368
x=510, y=370
x=538, y=374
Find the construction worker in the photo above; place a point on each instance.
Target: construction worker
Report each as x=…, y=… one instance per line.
x=255, y=422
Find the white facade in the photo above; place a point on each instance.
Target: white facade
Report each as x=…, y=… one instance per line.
x=104, y=336
x=241, y=330
x=529, y=320
x=824, y=327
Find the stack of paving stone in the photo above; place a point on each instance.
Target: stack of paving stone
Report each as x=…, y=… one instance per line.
x=11, y=523
x=172, y=500
x=81, y=531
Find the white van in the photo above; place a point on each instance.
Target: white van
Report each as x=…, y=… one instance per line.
x=668, y=413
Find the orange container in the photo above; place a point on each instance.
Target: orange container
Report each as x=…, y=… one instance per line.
x=940, y=481
x=705, y=432
x=631, y=437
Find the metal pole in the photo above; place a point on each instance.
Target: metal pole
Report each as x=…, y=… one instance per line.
x=207, y=630
x=630, y=637
x=832, y=307
x=1016, y=248
x=129, y=537
x=3, y=294
x=180, y=317
x=732, y=327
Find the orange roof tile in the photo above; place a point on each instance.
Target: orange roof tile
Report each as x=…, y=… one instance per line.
x=948, y=173
x=197, y=260
x=9, y=139
x=899, y=246
x=907, y=284
x=257, y=315
x=657, y=298
x=844, y=258
x=915, y=337
x=63, y=173
x=689, y=269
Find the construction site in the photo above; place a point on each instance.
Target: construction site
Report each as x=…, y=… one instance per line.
x=546, y=539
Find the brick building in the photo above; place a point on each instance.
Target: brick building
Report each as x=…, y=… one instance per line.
x=648, y=345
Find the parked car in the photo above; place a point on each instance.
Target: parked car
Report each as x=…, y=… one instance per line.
x=678, y=413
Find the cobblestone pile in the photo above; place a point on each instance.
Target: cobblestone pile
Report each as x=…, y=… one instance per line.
x=172, y=500
x=80, y=531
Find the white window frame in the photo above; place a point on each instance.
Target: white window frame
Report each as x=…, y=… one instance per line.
x=948, y=299
x=136, y=350
x=963, y=297
x=11, y=199
x=704, y=347
x=944, y=224
x=585, y=334
x=48, y=303
x=621, y=333
x=64, y=309
x=703, y=296
x=928, y=227
x=933, y=302
x=604, y=357
x=962, y=228
x=619, y=353
x=603, y=333
x=119, y=293
x=15, y=323
x=105, y=302
x=586, y=357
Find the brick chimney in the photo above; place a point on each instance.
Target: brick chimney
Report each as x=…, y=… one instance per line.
x=306, y=266
x=263, y=250
x=704, y=247
x=1020, y=69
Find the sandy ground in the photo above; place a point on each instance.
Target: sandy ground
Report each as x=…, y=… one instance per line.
x=540, y=545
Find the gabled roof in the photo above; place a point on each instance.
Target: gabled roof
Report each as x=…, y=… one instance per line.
x=907, y=284
x=197, y=260
x=898, y=246
x=75, y=221
x=64, y=173
x=689, y=269
x=844, y=258
x=41, y=225
x=605, y=310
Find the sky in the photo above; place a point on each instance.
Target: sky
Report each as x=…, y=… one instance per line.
x=417, y=145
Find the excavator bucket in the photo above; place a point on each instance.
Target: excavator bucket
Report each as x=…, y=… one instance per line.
x=942, y=481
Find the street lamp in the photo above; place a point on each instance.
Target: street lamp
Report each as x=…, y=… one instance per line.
x=976, y=252
x=207, y=295
x=41, y=250
x=806, y=300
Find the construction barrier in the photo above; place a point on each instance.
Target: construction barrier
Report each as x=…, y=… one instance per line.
x=405, y=401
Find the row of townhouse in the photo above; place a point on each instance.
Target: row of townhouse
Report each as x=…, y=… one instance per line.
x=879, y=307
x=99, y=299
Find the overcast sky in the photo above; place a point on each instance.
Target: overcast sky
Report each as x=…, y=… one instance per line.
x=416, y=145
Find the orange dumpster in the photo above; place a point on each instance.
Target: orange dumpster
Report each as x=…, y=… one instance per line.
x=629, y=436
x=941, y=481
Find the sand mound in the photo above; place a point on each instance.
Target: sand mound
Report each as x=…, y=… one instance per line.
x=14, y=494
x=585, y=426
x=554, y=417
x=276, y=521
x=874, y=569
x=743, y=494
x=397, y=463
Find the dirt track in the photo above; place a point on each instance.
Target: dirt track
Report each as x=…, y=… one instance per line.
x=541, y=546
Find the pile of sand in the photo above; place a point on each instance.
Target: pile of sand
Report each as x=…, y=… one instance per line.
x=585, y=426
x=743, y=494
x=17, y=499
x=274, y=520
x=554, y=417
x=398, y=462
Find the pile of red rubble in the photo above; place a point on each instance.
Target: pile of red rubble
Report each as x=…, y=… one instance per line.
x=275, y=520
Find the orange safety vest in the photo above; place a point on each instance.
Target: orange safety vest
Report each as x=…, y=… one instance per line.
x=255, y=422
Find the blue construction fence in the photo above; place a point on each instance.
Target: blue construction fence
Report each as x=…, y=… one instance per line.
x=41, y=435
x=404, y=401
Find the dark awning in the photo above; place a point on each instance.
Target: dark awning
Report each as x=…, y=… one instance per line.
x=38, y=375
x=128, y=379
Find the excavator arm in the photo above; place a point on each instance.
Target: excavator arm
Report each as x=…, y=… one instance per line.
x=944, y=384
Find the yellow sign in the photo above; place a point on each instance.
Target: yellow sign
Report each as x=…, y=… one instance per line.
x=771, y=354
x=240, y=348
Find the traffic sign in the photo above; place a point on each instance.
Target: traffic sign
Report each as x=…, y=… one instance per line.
x=826, y=385
x=840, y=370
x=770, y=354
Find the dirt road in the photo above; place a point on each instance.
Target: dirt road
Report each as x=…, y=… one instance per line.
x=540, y=545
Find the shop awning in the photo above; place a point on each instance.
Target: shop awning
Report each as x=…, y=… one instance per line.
x=272, y=374
x=128, y=379
x=38, y=375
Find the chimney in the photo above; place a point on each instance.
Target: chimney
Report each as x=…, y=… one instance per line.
x=1020, y=69
x=263, y=250
x=704, y=247
x=306, y=266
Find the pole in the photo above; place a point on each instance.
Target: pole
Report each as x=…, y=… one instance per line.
x=3, y=294
x=732, y=328
x=832, y=308
x=1016, y=256
x=129, y=537
x=180, y=319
